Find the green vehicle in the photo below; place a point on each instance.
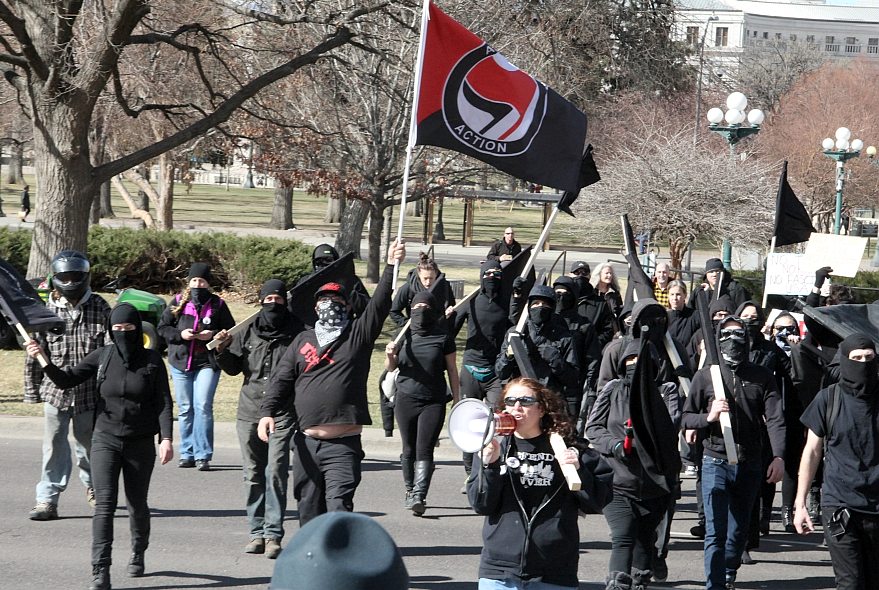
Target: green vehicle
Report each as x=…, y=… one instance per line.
x=150, y=306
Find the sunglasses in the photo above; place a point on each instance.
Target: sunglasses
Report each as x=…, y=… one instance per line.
x=524, y=401
x=727, y=333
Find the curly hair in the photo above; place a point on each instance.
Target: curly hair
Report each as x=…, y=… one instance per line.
x=555, y=412
x=185, y=296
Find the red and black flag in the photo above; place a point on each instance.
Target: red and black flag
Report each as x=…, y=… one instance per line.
x=473, y=101
x=792, y=222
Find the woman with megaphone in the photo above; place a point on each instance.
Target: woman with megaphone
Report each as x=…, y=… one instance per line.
x=531, y=535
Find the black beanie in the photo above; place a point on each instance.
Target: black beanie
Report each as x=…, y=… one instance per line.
x=855, y=342
x=714, y=264
x=424, y=297
x=273, y=287
x=201, y=270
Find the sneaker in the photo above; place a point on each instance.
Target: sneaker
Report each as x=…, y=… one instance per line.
x=44, y=511
x=730, y=586
x=90, y=497
x=203, y=465
x=186, y=463
x=691, y=471
x=257, y=546
x=747, y=559
x=273, y=548
x=100, y=577
x=464, y=487
x=698, y=531
x=135, y=565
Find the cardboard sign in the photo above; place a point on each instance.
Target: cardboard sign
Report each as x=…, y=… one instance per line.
x=842, y=253
x=789, y=274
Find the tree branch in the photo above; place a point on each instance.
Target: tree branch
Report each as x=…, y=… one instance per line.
x=34, y=62
x=136, y=211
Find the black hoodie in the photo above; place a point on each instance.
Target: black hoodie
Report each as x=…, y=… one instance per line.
x=487, y=323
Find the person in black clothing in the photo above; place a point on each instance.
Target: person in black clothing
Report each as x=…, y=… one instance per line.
x=426, y=276
x=585, y=338
x=134, y=405
x=643, y=485
x=683, y=321
x=323, y=256
x=843, y=422
x=506, y=248
x=592, y=307
x=531, y=532
x=838, y=293
x=324, y=371
x=420, y=404
x=255, y=353
x=728, y=490
x=487, y=322
x=25, y=203
x=728, y=286
x=550, y=346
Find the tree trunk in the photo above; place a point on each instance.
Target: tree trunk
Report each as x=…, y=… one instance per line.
x=282, y=208
x=95, y=210
x=334, y=210
x=351, y=228
x=106, y=203
x=143, y=199
x=165, y=204
x=373, y=258
x=14, y=173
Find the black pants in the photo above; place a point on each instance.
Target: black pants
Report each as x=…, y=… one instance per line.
x=420, y=422
x=471, y=387
x=855, y=554
x=326, y=474
x=632, y=526
x=134, y=457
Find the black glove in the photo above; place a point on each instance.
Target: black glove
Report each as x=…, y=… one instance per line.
x=618, y=453
x=821, y=275
x=518, y=283
x=551, y=355
x=683, y=371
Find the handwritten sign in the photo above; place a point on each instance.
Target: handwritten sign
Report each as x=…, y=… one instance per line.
x=789, y=274
x=842, y=253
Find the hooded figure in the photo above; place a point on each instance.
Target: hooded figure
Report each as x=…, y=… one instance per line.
x=128, y=343
x=728, y=286
x=585, y=337
x=860, y=378
x=342, y=272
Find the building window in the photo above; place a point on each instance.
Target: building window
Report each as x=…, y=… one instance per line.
x=755, y=34
x=778, y=36
x=850, y=41
x=873, y=45
x=765, y=35
x=721, y=36
x=830, y=44
x=693, y=36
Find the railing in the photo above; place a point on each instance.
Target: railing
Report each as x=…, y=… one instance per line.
x=833, y=48
x=852, y=48
x=872, y=48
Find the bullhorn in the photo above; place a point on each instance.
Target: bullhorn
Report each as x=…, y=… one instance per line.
x=472, y=425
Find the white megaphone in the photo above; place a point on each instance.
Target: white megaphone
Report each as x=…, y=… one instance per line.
x=472, y=425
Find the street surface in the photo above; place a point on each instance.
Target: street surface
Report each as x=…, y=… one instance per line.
x=199, y=529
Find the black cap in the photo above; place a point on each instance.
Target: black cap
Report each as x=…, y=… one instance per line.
x=580, y=265
x=201, y=270
x=273, y=287
x=331, y=289
x=542, y=292
x=714, y=264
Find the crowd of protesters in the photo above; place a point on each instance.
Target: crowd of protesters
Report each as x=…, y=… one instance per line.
x=640, y=390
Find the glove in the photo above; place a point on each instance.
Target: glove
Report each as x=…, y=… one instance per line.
x=619, y=454
x=518, y=284
x=551, y=355
x=683, y=371
x=821, y=275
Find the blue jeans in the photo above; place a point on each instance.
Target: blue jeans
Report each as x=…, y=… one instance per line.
x=487, y=584
x=266, y=468
x=57, y=464
x=728, y=493
x=194, y=391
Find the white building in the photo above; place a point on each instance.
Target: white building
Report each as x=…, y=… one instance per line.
x=723, y=28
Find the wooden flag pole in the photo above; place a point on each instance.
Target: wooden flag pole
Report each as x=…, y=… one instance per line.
x=544, y=235
x=765, y=294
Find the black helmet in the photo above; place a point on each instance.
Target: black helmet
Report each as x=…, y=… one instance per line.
x=70, y=273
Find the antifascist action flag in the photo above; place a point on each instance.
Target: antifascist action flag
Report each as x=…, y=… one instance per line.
x=473, y=101
x=792, y=222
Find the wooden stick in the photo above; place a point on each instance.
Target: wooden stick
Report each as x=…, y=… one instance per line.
x=569, y=471
x=765, y=282
x=544, y=235
x=458, y=306
x=239, y=327
x=725, y=423
x=41, y=358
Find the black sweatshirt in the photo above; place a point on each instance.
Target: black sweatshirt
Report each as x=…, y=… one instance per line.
x=328, y=384
x=487, y=324
x=133, y=402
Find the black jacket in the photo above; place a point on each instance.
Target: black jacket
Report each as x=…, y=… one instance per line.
x=500, y=248
x=520, y=545
x=255, y=353
x=683, y=324
x=134, y=401
x=188, y=355
x=487, y=323
x=811, y=368
x=598, y=312
x=441, y=290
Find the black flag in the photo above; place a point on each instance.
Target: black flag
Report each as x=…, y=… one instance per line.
x=792, y=222
x=21, y=304
x=639, y=283
x=300, y=299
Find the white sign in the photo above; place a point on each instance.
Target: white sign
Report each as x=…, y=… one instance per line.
x=789, y=274
x=841, y=253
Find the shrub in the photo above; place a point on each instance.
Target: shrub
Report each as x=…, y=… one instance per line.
x=15, y=247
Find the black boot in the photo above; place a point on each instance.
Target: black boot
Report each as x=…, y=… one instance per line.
x=408, y=465
x=423, y=475
x=135, y=564
x=618, y=581
x=641, y=578
x=100, y=577
x=787, y=519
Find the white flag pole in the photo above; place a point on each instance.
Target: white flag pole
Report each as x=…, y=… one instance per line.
x=765, y=277
x=413, y=123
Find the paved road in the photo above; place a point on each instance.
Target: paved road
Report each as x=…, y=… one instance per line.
x=199, y=529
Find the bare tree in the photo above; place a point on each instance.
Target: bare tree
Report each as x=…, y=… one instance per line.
x=766, y=72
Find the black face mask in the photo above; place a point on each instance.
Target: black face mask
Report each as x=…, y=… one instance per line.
x=565, y=301
x=861, y=379
x=753, y=328
x=583, y=284
x=540, y=315
x=734, y=351
x=423, y=319
x=200, y=295
x=630, y=371
x=491, y=286
x=129, y=343
x=275, y=314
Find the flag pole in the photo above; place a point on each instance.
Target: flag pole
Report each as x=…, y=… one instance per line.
x=413, y=121
x=544, y=235
x=765, y=277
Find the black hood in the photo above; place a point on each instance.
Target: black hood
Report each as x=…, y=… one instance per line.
x=125, y=313
x=761, y=316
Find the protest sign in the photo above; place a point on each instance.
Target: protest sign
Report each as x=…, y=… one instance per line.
x=789, y=274
x=842, y=253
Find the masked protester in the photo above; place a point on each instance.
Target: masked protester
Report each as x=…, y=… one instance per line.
x=254, y=353
x=628, y=426
x=192, y=320
x=717, y=277
x=85, y=318
x=728, y=490
x=426, y=276
x=323, y=256
x=592, y=307
x=550, y=347
x=323, y=374
x=487, y=322
x=134, y=405
x=585, y=338
x=423, y=356
x=843, y=423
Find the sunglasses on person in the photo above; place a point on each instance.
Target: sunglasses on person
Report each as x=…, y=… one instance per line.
x=727, y=333
x=524, y=401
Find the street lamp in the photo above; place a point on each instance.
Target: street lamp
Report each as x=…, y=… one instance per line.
x=844, y=151
x=735, y=130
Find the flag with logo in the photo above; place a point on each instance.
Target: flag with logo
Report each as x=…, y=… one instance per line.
x=470, y=99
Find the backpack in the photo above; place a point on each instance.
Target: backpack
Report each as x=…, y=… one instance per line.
x=835, y=403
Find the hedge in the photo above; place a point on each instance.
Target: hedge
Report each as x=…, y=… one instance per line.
x=158, y=261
